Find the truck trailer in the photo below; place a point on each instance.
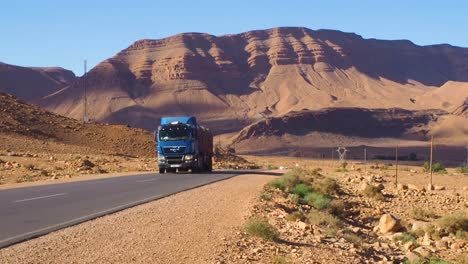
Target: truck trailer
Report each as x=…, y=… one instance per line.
x=183, y=145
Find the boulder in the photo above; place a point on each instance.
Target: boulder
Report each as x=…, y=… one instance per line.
x=388, y=224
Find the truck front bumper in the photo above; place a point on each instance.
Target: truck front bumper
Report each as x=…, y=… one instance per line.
x=176, y=164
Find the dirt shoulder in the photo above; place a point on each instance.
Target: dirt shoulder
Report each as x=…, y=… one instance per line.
x=189, y=227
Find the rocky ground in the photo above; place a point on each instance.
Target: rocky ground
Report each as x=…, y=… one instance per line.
x=354, y=217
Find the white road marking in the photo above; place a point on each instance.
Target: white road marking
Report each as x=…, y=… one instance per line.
x=147, y=180
x=40, y=197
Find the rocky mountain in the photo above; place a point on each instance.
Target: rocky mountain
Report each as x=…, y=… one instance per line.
x=33, y=83
x=230, y=81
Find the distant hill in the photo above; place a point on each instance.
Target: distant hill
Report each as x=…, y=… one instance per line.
x=32, y=83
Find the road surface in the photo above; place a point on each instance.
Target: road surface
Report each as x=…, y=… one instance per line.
x=34, y=211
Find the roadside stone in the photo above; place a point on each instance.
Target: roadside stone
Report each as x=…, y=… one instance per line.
x=388, y=223
x=439, y=188
x=441, y=244
x=427, y=239
x=87, y=163
x=412, y=257
x=422, y=252
x=402, y=187
x=457, y=245
x=301, y=225
x=363, y=186
x=409, y=246
x=418, y=225
x=414, y=187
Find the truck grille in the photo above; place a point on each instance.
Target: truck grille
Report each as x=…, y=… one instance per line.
x=174, y=150
x=174, y=159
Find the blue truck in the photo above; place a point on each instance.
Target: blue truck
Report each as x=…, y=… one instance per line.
x=183, y=145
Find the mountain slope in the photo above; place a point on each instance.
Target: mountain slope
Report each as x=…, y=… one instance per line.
x=34, y=128
x=238, y=78
x=32, y=83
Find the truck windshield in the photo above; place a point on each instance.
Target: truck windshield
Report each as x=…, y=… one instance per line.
x=174, y=132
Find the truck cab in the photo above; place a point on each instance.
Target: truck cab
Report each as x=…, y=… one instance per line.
x=183, y=145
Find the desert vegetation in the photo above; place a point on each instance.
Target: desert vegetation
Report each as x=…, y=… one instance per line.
x=313, y=214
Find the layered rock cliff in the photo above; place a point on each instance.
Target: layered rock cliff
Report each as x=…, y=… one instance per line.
x=232, y=80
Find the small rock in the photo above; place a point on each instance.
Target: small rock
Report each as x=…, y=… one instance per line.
x=418, y=225
x=457, y=245
x=430, y=187
x=422, y=252
x=427, y=239
x=409, y=246
x=301, y=225
x=412, y=257
x=414, y=187
x=439, y=188
x=441, y=244
x=402, y=187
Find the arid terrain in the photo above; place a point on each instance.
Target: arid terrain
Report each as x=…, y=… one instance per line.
x=281, y=100
x=322, y=212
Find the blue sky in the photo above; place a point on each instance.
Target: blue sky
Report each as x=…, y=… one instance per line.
x=65, y=32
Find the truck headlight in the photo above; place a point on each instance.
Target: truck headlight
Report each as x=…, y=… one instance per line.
x=161, y=158
x=188, y=157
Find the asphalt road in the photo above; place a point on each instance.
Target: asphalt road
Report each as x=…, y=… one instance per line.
x=34, y=211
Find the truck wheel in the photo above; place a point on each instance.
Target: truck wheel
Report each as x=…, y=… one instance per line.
x=162, y=171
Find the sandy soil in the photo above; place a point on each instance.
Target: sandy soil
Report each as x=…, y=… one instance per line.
x=188, y=227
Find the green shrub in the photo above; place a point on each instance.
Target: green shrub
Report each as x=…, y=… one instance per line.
x=436, y=167
x=462, y=169
x=353, y=238
x=329, y=223
x=336, y=207
x=422, y=214
x=374, y=192
x=301, y=190
x=317, y=200
x=325, y=186
x=453, y=223
x=405, y=237
x=279, y=260
x=294, y=216
x=278, y=184
x=261, y=228
x=265, y=197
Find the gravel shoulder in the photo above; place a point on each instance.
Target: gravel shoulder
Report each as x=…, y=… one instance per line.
x=189, y=227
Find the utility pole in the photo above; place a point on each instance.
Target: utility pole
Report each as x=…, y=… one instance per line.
x=365, y=160
x=396, y=165
x=466, y=163
x=430, y=161
x=85, y=117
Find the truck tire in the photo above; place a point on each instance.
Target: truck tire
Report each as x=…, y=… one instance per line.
x=162, y=171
